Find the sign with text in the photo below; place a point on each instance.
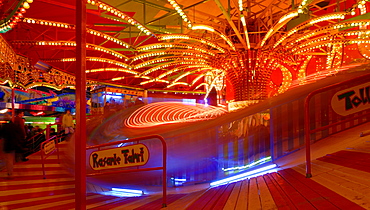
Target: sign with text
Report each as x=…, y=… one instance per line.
x=351, y=100
x=128, y=156
x=49, y=147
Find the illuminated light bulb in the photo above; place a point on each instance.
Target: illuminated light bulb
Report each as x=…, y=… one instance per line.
x=26, y=5
x=29, y=1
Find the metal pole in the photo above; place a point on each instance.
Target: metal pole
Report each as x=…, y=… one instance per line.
x=164, y=199
x=307, y=136
x=80, y=134
x=13, y=104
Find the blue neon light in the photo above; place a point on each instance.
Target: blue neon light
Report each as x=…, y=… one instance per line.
x=246, y=175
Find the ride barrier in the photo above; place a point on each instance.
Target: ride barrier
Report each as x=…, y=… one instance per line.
x=47, y=148
x=348, y=105
x=126, y=156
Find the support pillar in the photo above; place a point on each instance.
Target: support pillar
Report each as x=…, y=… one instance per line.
x=80, y=134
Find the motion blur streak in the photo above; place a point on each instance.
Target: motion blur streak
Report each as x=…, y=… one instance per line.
x=171, y=112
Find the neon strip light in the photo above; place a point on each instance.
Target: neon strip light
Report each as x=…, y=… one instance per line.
x=179, y=180
x=246, y=175
x=263, y=160
x=128, y=191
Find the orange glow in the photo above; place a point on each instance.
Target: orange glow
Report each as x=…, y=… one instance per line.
x=171, y=112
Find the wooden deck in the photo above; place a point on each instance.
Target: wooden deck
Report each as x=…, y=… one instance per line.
x=340, y=181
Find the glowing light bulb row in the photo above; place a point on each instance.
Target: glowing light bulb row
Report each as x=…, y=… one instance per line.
x=106, y=50
x=117, y=78
x=169, y=52
x=113, y=69
x=187, y=37
x=361, y=5
x=327, y=17
x=180, y=69
x=280, y=24
x=120, y=14
x=337, y=54
x=177, y=83
x=71, y=26
x=154, y=80
x=108, y=37
x=12, y=20
x=158, y=60
x=197, y=79
x=203, y=27
x=175, y=45
x=329, y=59
x=351, y=24
x=240, y=5
x=180, y=12
x=182, y=76
x=168, y=65
x=72, y=44
x=211, y=29
x=326, y=43
x=332, y=36
x=338, y=15
x=303, y=5
x=325, y=29
x=288, y=16
x=48, y=23
x=287, y=78
x=95, y=59
x=200, y=85
x=45, y=43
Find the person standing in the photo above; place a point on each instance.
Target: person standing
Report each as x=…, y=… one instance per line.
x=20, y=122
x=11, y=135
x=67, y=122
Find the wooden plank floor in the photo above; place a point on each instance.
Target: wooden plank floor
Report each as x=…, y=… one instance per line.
x=340, y=181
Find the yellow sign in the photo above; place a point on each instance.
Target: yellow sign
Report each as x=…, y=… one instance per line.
x=352, y=100
x=128, y=156
x=49, y=147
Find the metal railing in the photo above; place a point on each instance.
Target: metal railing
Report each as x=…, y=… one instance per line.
x=354, y=82
x=163, y=167
x=35, y=138
x=47, y=148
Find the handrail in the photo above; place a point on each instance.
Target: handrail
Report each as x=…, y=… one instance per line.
x=47, y=136
x=163, y=168
x=55, y=139
x=307, y=131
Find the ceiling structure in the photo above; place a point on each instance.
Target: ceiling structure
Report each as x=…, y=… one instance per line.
x=183, y=45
